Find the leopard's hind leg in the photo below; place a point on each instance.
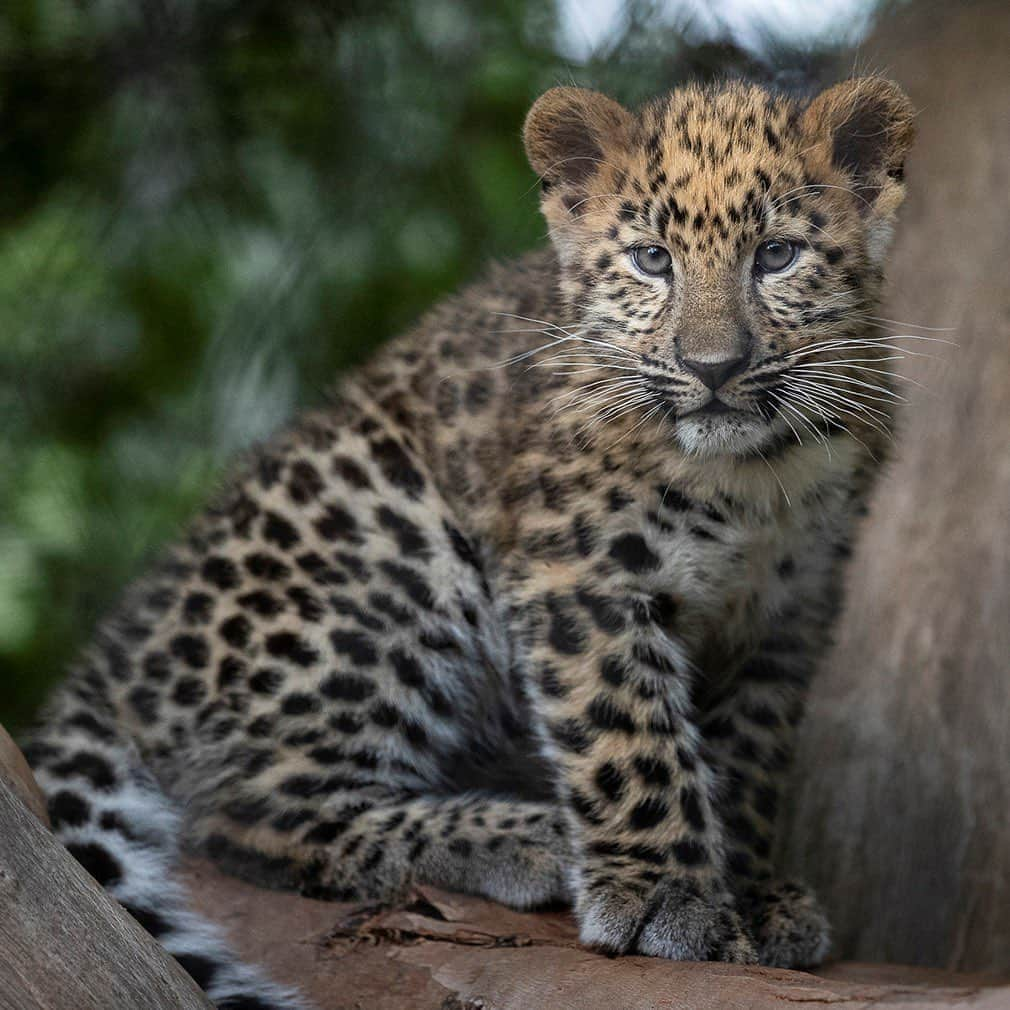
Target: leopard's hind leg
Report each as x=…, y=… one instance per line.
x=358, y=845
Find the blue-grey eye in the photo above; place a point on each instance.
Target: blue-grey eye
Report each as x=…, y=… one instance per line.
x=652, y=259
x=774, y=255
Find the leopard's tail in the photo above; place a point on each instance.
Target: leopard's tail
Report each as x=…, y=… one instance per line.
x=108, y=810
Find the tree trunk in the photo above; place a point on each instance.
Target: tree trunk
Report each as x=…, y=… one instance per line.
x=901, y=816
x=64, y=944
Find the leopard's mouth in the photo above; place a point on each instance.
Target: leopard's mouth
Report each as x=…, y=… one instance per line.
x=716, y=428
x=713, y=407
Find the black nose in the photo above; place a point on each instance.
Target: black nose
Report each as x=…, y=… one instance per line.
x=715, y=373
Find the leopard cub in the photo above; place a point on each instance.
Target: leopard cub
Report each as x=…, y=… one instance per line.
x=530, y=609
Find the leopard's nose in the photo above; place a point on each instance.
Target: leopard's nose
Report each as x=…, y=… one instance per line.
x=716, y=373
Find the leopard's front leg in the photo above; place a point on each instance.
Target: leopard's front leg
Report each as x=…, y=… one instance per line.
x=749, y=735
x=610, y=684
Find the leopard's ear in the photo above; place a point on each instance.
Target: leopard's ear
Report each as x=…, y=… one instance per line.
x=568, y=132
x=865, y=127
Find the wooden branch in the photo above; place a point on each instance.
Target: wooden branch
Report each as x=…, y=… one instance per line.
x=64, y=944
x=442, y=951
x=15, y=772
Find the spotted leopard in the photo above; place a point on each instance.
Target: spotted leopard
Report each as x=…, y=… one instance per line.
x=529, y=610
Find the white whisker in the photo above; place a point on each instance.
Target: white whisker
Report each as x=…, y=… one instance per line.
x=588, y=392
x=631, y=431
x=614, y=410
x=914, y=326
x=816, y=388
x=778, y=479
x=849, y=380
x=852, y=363
x=601, y=393
x=806, y=423
x=856, y=344
x=530, y=319
x=829, y=409
x=916, y=336
x=834, y=362
x=581, y=370
x=796, y=434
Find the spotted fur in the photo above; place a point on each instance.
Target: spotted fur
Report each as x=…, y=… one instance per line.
x=530, y=609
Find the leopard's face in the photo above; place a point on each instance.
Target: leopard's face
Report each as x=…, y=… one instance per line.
x=719, y=243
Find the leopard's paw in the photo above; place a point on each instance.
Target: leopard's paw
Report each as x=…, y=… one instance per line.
x=788, y=925
x=679, y=919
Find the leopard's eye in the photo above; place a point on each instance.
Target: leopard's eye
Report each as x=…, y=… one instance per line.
x=652, y=259
x=774, y=255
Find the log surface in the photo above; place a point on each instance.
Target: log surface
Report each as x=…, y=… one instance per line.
x=64, y=944
x=18, y=776
x=444, y=951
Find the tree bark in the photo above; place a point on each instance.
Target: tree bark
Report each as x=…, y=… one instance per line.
x=15, y=772
x=442, y=951
x=900, y=817
x=64, y=944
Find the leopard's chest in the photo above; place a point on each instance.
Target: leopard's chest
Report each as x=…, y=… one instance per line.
x=735, y=573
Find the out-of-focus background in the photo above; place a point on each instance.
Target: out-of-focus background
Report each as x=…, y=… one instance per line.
x=209, y=207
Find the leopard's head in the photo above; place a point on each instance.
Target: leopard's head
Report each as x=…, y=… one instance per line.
x=721, y=252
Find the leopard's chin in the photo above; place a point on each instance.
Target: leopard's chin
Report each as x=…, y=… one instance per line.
x=723, y=433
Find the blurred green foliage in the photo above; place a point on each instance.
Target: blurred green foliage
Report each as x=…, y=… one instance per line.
x=207, y=209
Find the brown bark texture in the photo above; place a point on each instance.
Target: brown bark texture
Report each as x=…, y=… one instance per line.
x=901, y=809
x=15, y=773
x=441, y=951
x=64, y=944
